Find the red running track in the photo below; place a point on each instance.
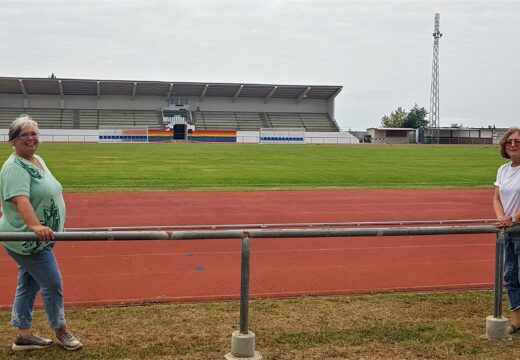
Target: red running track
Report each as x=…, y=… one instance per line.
x=109, y=273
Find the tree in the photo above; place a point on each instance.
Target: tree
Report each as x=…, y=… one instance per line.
x=416, y=118
x=400, y=118
x=396, y=119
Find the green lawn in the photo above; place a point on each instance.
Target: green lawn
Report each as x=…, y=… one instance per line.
x=142, y=167
x=393, y=326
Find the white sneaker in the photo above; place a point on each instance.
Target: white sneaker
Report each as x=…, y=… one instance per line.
x=68, y=341
x=30, y=343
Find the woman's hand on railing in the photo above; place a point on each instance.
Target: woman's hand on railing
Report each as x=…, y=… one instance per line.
x=44, y=233
x=504, y=221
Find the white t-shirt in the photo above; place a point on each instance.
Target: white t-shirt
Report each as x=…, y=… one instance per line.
x=508, y=182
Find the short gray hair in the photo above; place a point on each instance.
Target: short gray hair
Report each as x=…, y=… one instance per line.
x=20, y=123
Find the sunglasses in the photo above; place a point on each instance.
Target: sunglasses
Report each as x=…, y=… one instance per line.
x=25, y=136
x=513, y=141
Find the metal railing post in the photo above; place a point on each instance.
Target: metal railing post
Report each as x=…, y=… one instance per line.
x=243, y=341
x=497, y=325
x=244, y=284
x=499, y=272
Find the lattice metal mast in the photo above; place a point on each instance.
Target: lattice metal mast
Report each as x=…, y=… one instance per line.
x=434, y=94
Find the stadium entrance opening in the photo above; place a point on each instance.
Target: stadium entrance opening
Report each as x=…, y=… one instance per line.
x=179, y=132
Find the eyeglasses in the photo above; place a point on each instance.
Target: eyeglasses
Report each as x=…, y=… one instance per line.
x=513, y=141
x=25, y=136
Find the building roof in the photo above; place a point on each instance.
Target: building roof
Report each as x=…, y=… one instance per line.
x=97, y=87
x=383, y=128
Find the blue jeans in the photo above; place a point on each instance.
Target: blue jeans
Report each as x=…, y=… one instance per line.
x=511, y=269
x=35, y=272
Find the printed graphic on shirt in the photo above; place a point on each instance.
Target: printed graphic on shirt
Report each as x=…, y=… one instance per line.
x=32, y=247
x=30, y=169
x=51, y=219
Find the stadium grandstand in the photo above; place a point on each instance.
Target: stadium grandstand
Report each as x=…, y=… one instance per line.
x=90, y=104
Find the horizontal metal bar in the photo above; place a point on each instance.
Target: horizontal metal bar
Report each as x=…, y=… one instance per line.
x=253, y=233
x=299, y=233
x=89, y=236
x=281, y=225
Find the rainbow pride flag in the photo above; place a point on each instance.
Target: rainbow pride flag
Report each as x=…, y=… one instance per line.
x=159, y=135
x=213, y=136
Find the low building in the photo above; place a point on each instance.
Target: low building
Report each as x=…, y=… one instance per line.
x=462, y=135
x=392, y=135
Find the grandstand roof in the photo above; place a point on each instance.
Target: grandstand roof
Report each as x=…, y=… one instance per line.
x=61, y=87
x=389, y=128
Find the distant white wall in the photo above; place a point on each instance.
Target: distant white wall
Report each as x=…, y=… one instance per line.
x=343, y=137
x=60, y=135
x=252, y=137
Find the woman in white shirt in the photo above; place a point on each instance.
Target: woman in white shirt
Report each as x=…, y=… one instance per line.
x=506, y=203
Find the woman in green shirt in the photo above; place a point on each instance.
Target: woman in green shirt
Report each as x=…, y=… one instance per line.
x=32, y=200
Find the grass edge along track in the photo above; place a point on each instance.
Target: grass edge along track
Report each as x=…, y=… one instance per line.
x=217, y=167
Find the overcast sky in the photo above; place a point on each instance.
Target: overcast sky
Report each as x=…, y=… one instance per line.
x=379, y=51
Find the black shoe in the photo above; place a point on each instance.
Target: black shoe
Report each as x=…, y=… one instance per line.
x=32, y=342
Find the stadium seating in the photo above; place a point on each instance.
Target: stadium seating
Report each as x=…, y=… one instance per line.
x=254, y=121
x=152, y=119
x=53, y=118
x=249, y=121
x=93, y=119
x=88, y=119
x=285, y=120
x=46, y=118
x=7, y=115
x=203, y=120
x=215, y=120
x=317, y=122
x=83, y=119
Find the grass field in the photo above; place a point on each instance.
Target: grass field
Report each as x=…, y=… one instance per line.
x=144, y=167
x=392, y=326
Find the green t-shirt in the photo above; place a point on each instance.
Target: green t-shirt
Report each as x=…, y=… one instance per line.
x=20, y=177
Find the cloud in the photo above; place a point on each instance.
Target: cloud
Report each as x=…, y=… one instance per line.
x=379, y=51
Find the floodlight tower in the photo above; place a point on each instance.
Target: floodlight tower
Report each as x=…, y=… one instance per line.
x=434, y=94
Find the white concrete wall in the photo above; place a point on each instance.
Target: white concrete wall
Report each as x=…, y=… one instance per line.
x=60, y=135
x=253, y=137
x=343, y=137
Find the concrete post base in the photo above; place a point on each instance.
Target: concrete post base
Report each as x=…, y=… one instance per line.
x=496, y=328
x=243, y=347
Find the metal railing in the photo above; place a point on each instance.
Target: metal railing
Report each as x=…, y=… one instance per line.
x=284, y=225
x=243, y=340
